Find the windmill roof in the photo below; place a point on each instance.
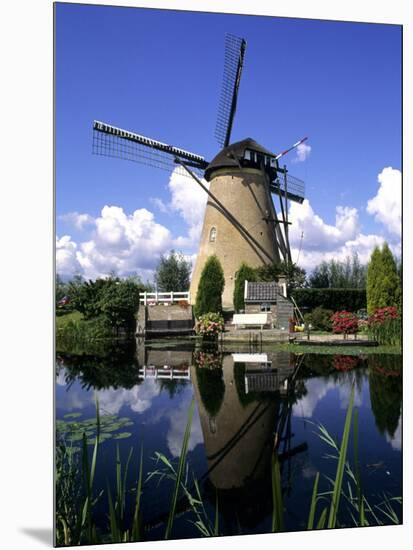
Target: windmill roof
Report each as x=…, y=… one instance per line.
x=225, y=158
x=262, y=292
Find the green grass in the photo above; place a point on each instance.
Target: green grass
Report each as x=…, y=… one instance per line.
x=75, y=334
x=62, y=320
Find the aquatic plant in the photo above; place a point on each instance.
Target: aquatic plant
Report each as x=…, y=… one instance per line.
x=342, y=504
x=385, y=326
x=347, y=485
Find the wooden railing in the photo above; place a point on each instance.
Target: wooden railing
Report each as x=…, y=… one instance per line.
x=146, y=298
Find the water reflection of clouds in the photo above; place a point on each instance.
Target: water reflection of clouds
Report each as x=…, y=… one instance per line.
x=317, y=389
x=138, y=399
x=344, y=391
x=177, y=419
x=61, y=377
x=396, y=440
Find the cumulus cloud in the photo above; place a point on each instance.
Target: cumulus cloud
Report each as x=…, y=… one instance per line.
x=133, y=243
x=386, y=205
x=79, y=221
x=302, y=152
x=313, y=241
x=189, y=201
x=66, y=256
x=362, y=244
x=125, y=244
x=318, y=234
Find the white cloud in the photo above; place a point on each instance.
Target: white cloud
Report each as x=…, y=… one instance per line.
x=125, y=244
x=318, y=235
x=313, y=241
x=159, y=204
x=133, y=243
x=302, y=152
x=66, y=256
x=79, y=221
x=189, y=200
x=386, y=205
x=362, y=244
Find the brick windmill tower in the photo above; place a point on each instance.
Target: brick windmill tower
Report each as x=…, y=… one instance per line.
x=241, y=222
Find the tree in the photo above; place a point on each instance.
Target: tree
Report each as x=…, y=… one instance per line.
x=383, y=281
x=173, y=273
x=60, y=288
x=210, y=288
x=320, y=276
x=244, y=273
x=119, y=302
x=296, y=276
x=339, y=274
x=113, y=299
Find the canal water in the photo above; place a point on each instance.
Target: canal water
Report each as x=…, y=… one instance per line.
x=249, y=404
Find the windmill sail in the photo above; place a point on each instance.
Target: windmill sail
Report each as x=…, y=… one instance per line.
x=234, y=61
x=291, y=187
x=112, y=141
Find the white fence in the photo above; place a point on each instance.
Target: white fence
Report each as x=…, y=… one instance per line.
x=164, y=373
x=146, y=298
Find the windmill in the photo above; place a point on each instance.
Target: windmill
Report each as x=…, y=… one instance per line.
x=240, y=222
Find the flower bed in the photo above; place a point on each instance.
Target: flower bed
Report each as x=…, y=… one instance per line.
x=344, y=322
x=209, y=324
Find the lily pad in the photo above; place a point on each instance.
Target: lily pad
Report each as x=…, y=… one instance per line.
x=122, y=435
x=73, y=450
x=112, y=427
x=73, y=415
x=75, y=436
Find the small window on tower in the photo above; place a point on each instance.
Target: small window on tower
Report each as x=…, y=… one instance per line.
x=213, y=235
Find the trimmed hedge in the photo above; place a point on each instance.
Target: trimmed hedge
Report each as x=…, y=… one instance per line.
x=336, y=299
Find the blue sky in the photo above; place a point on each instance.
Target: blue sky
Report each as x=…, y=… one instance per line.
x=159, y=73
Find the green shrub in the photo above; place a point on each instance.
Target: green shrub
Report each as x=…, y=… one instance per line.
x=210, y=288
x=320, y=319
x=244, y=273
x=350, y=299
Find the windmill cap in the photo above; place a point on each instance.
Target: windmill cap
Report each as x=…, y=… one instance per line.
x=226, y=158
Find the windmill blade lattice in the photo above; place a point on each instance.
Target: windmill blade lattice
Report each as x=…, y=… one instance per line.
x=234, y=61
x=111, y=141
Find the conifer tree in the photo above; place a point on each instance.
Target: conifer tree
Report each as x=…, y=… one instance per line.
x=210, y=288
x=244, y=273
x=383, y=282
